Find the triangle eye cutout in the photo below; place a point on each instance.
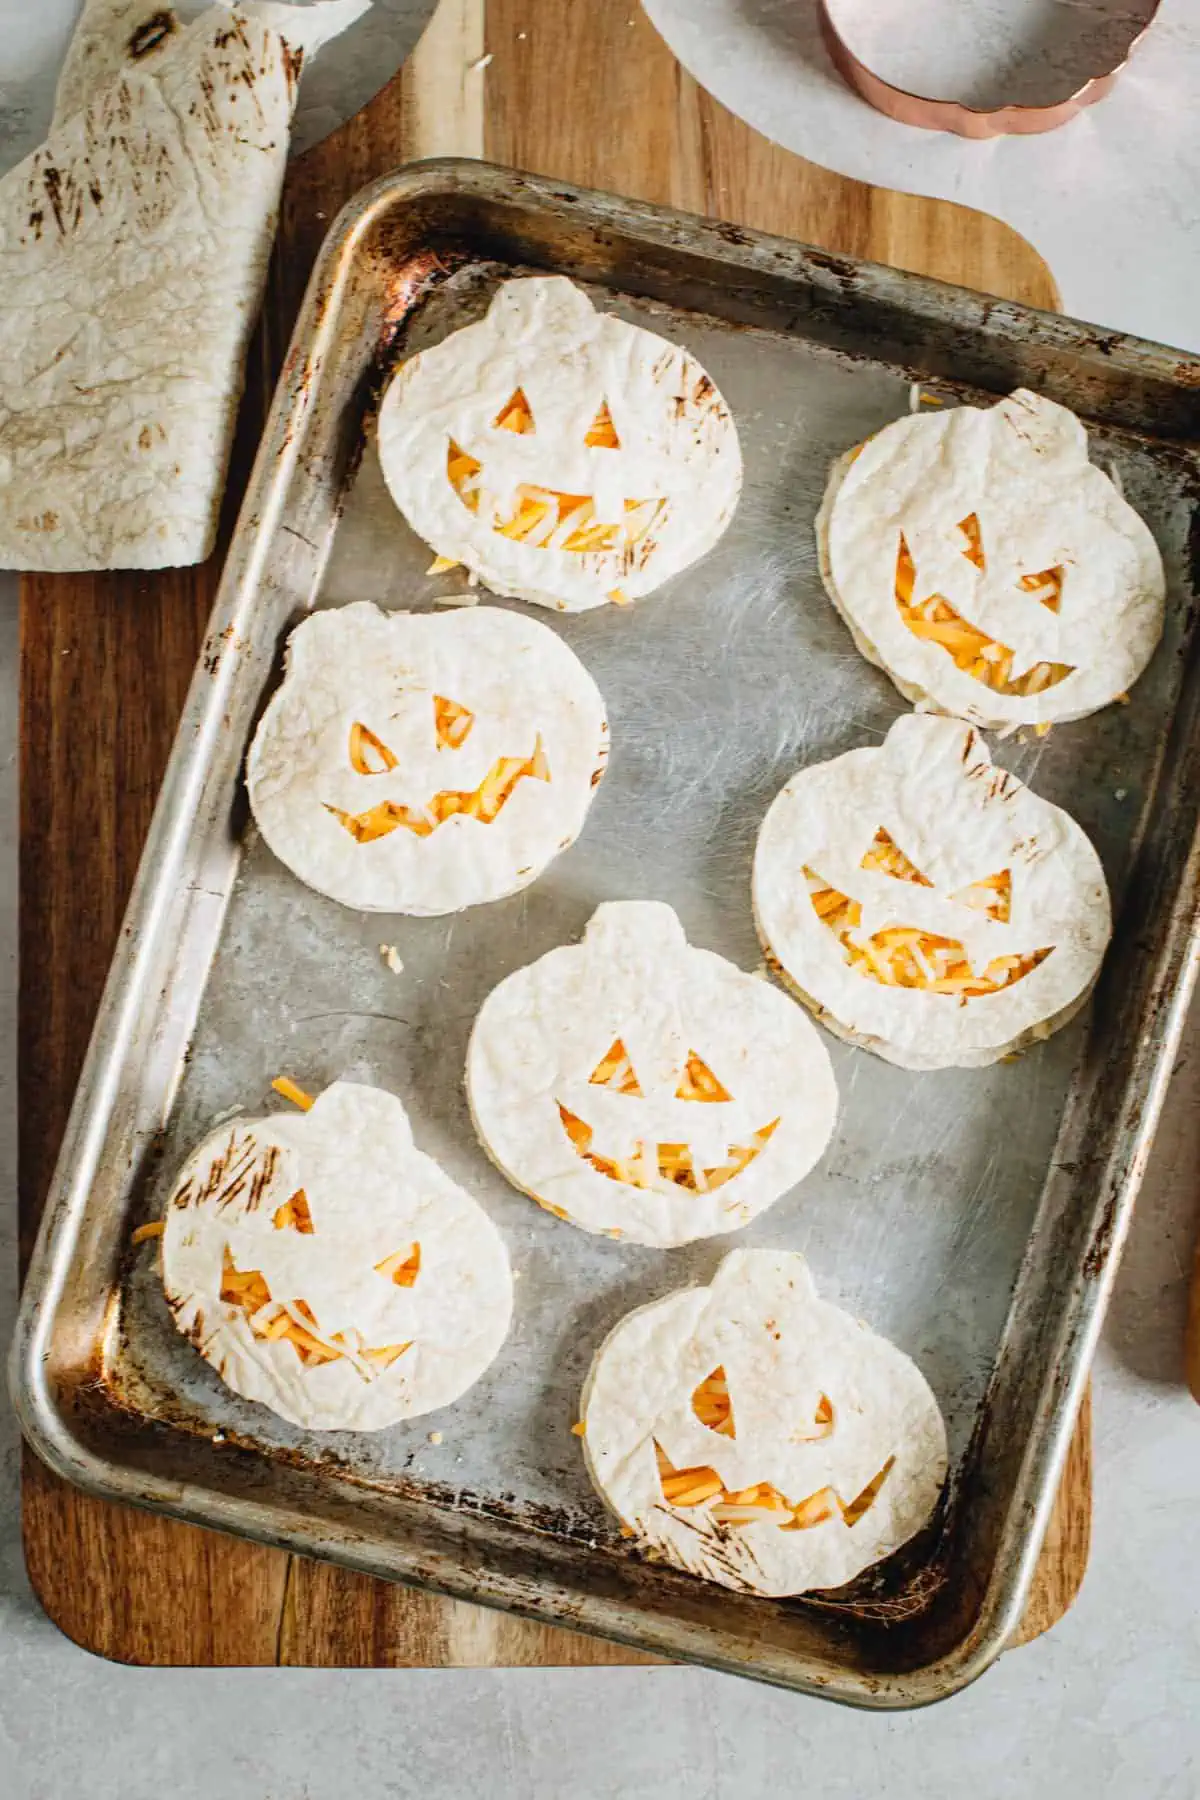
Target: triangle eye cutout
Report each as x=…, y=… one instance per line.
x=886, y=855
x=699, y=1083
x=992, y=895
x=602, y=433
x=403, y=1267
x=822, y=1423
x=294, y=1215
x=712, y=1404
x=974, y=550
x=1046, y=587
x=452, y=722
x=615, y=1071
x=515, y=415
x=369, y=755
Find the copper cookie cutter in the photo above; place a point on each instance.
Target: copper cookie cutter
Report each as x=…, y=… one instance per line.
x=954, y=115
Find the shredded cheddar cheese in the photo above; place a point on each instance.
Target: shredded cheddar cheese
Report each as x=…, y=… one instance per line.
x=712, y=1405
x=649, y=1168
x=482, y=803
x=973, y=651
x=699, y=1083
x=293, y=1320
x=762, y=1503
x=283, y=1084
x=403, y=1267
x=516, y=415
x=615, y=1071
x=901, y=956
x=549, y=519
x=451, y=722
x=369, y=755
x=294, y=1214
x=144, y=1233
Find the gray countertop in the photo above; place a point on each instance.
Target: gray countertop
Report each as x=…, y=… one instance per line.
x=1108, y=1704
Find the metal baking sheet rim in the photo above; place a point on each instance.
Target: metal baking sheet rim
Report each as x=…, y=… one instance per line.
x=47, y=1426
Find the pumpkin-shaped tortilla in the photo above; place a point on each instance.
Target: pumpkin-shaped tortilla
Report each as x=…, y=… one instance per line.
x=927, y=905
x=327, y=1268
x=561, y=454
x=991, y=569
x=754, y=1434
x=423, y=762
x=638, y=1086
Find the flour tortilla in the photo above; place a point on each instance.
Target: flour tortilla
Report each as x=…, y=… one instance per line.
x=133, y=250
x=370, y=1194
x=543, y=336
x=783, y=1351
x=359, y=664
x=1021, y=468
x=932, y=786
x=540, y=1035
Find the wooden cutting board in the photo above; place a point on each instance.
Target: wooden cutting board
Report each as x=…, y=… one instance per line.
x=587, y=92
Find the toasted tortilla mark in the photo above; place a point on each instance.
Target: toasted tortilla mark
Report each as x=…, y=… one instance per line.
x=548, y=519
x=669, y=1163
x=150, y=32
x=363, y=741
x=615, y=1071
x=402, y=1267
x=516, y=415
x=903, y=956
x=699, y=1083
x=712, y=1404
x=935, y=621
x=451, y=722
x=295, y=1215
x=602, y=433
x=283, y=1084
x=483, y=803
x=762, y=1503
x=886, y=855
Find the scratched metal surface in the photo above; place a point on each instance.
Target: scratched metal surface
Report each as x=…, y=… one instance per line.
x=719, y=687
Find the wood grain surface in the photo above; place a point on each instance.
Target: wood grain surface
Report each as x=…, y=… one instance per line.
x=588, y=93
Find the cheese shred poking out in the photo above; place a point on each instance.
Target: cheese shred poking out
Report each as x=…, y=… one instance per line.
x=284, y=1085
